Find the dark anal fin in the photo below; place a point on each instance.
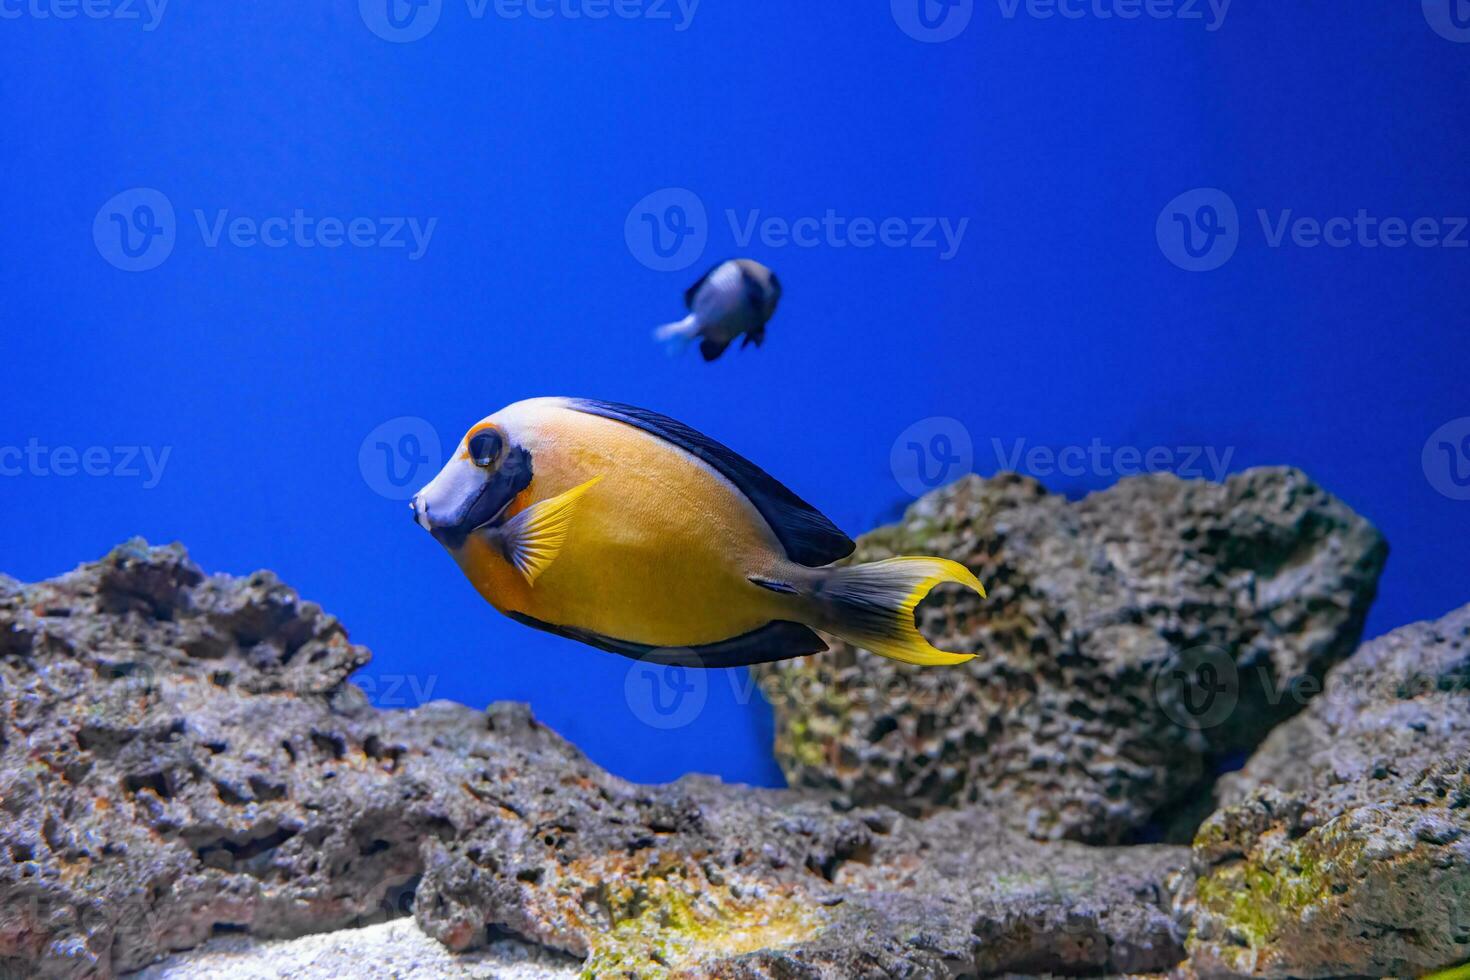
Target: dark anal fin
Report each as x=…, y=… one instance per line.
x=778, y=640
x=712, y=349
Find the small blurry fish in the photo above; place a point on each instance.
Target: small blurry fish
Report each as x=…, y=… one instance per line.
x=734, y=298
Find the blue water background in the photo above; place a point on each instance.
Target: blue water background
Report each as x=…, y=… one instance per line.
x=1059, y=321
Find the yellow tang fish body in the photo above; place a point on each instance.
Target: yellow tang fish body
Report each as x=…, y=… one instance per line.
x=629, y=531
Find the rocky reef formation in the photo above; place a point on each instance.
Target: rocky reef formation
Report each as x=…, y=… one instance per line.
x=186, y=757
x=1343, y=848
x=1091, y=712
x=183, y=756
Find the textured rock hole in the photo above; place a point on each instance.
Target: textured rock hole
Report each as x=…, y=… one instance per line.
x=226, y=853
x=858, y=854
x=207, y=646
x=21, y=852
x=329, y=744
x=496, y=934
x=125, y=670
x=228, y=794
x=374, y=748
x=882, y=727
x=155, y=781
x=398, y=900
x=376, y=846
x=51, y=832
x=531, y=876
x=228, y=929
x=267, y=790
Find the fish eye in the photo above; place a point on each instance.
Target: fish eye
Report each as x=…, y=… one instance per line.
x=486, y=447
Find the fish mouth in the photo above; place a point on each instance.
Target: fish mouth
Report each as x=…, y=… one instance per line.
x=488, y=507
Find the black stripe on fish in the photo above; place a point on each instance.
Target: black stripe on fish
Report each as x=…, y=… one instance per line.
x=693, y=291
x=778, y=640
x=755, y=293
x=807, y=535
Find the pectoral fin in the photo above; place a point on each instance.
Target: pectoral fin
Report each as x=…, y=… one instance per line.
x=532, y=539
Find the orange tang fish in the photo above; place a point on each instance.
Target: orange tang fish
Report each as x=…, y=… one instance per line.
x=631, y=532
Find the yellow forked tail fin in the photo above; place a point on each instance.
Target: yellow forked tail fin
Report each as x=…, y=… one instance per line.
x=872, y=606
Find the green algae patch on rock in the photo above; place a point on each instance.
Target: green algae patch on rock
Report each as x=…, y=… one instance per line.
x=671, y=919
x=1256, y=900
x=1343, y=847
x=1349, y=898
x=1461, y=972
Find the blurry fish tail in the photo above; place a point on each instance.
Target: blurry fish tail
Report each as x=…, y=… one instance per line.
x=678, y=336
x=872, y=606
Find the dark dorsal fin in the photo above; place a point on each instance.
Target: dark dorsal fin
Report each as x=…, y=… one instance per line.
x=808, y=537
x=693, y=290
x=777, y=640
